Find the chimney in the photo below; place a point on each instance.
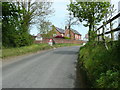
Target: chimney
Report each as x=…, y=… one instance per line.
x=65, y=27
x=69, y=26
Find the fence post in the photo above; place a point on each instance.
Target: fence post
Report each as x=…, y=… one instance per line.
x=103, y=31
x=112, y=34
x=98, y=36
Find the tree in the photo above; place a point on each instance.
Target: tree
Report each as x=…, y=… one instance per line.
x=17, y=18
x=45, y=27
x=90, y=12
x=9, y=23
x=71, y=20
x=33, y=11
x=43, y=23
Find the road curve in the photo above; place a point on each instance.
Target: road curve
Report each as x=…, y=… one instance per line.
x=53, y=68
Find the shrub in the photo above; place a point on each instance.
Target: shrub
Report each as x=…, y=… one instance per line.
x=110, y=79
x=102, y=65
x=66, y=37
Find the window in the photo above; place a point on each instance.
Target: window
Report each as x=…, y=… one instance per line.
x=62, y=35
x=68, y=35
x=54, y=35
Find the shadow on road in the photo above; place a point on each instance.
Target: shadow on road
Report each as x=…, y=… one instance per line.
x=66, y=52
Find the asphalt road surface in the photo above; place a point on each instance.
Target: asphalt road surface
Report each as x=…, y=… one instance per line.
x=53, y=68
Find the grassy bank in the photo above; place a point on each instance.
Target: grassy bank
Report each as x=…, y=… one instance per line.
x=7, y=52
x=102, y=66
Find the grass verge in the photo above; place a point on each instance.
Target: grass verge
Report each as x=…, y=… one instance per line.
x=102, y=66
x=7, y=52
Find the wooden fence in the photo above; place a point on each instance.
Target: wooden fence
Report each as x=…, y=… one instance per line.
x=111, y=29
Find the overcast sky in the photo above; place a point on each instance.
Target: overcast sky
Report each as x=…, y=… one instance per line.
x=60, y=15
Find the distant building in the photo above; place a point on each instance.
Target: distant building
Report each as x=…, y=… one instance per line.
x=39, y=37
x=58, y=32
x=86, y=37
x=73, y=34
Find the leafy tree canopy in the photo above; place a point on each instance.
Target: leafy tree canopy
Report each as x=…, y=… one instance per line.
x=90, y=12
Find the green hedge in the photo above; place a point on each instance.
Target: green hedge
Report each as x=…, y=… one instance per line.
x=102, y=66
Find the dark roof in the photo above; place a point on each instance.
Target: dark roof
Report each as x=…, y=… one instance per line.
x=75, y=31
x=60, y=30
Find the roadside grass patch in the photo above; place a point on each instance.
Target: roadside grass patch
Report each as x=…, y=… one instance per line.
x=7, y=52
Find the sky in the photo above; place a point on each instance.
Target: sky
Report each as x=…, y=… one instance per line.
x=61, y=13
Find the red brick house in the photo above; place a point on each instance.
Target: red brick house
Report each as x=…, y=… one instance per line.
x=73, y=34
x=77, y=35
x=59, y=31
x=55, y=32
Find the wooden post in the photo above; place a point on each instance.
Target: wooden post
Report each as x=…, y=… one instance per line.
x=104, y=41
x=98, y=36
x=103, y=32
x=112, y=34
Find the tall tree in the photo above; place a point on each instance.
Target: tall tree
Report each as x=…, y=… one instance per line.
x=90, y=12
x=45, y=26
x=71, y=20
x=33, y=11
x=9, y=23
x=17, y=18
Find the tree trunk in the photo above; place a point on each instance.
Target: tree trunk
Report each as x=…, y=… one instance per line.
x=89, y=35
x=69, y=30
x=104, y=41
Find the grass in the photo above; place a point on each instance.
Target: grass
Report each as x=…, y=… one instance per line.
x=66, y=44
x=102, y=65
x=0, y=53
x=8, y=52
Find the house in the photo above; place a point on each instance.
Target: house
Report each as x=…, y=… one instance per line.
x=33, y=36
x=86, y=37
x=59, y=31
x=77, y=35
x=38, y=37
x=55, y=32
x=73, y=34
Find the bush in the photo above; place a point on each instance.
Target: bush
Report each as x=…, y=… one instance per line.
x=102, y=66
x=23, y=40
x=110, y=79
x=17, y=40
x=66, y=37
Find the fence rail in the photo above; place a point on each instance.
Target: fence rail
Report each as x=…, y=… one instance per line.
x=111, y=30
x=114, y=30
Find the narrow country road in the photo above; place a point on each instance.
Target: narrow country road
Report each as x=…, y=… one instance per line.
x=53, y=68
